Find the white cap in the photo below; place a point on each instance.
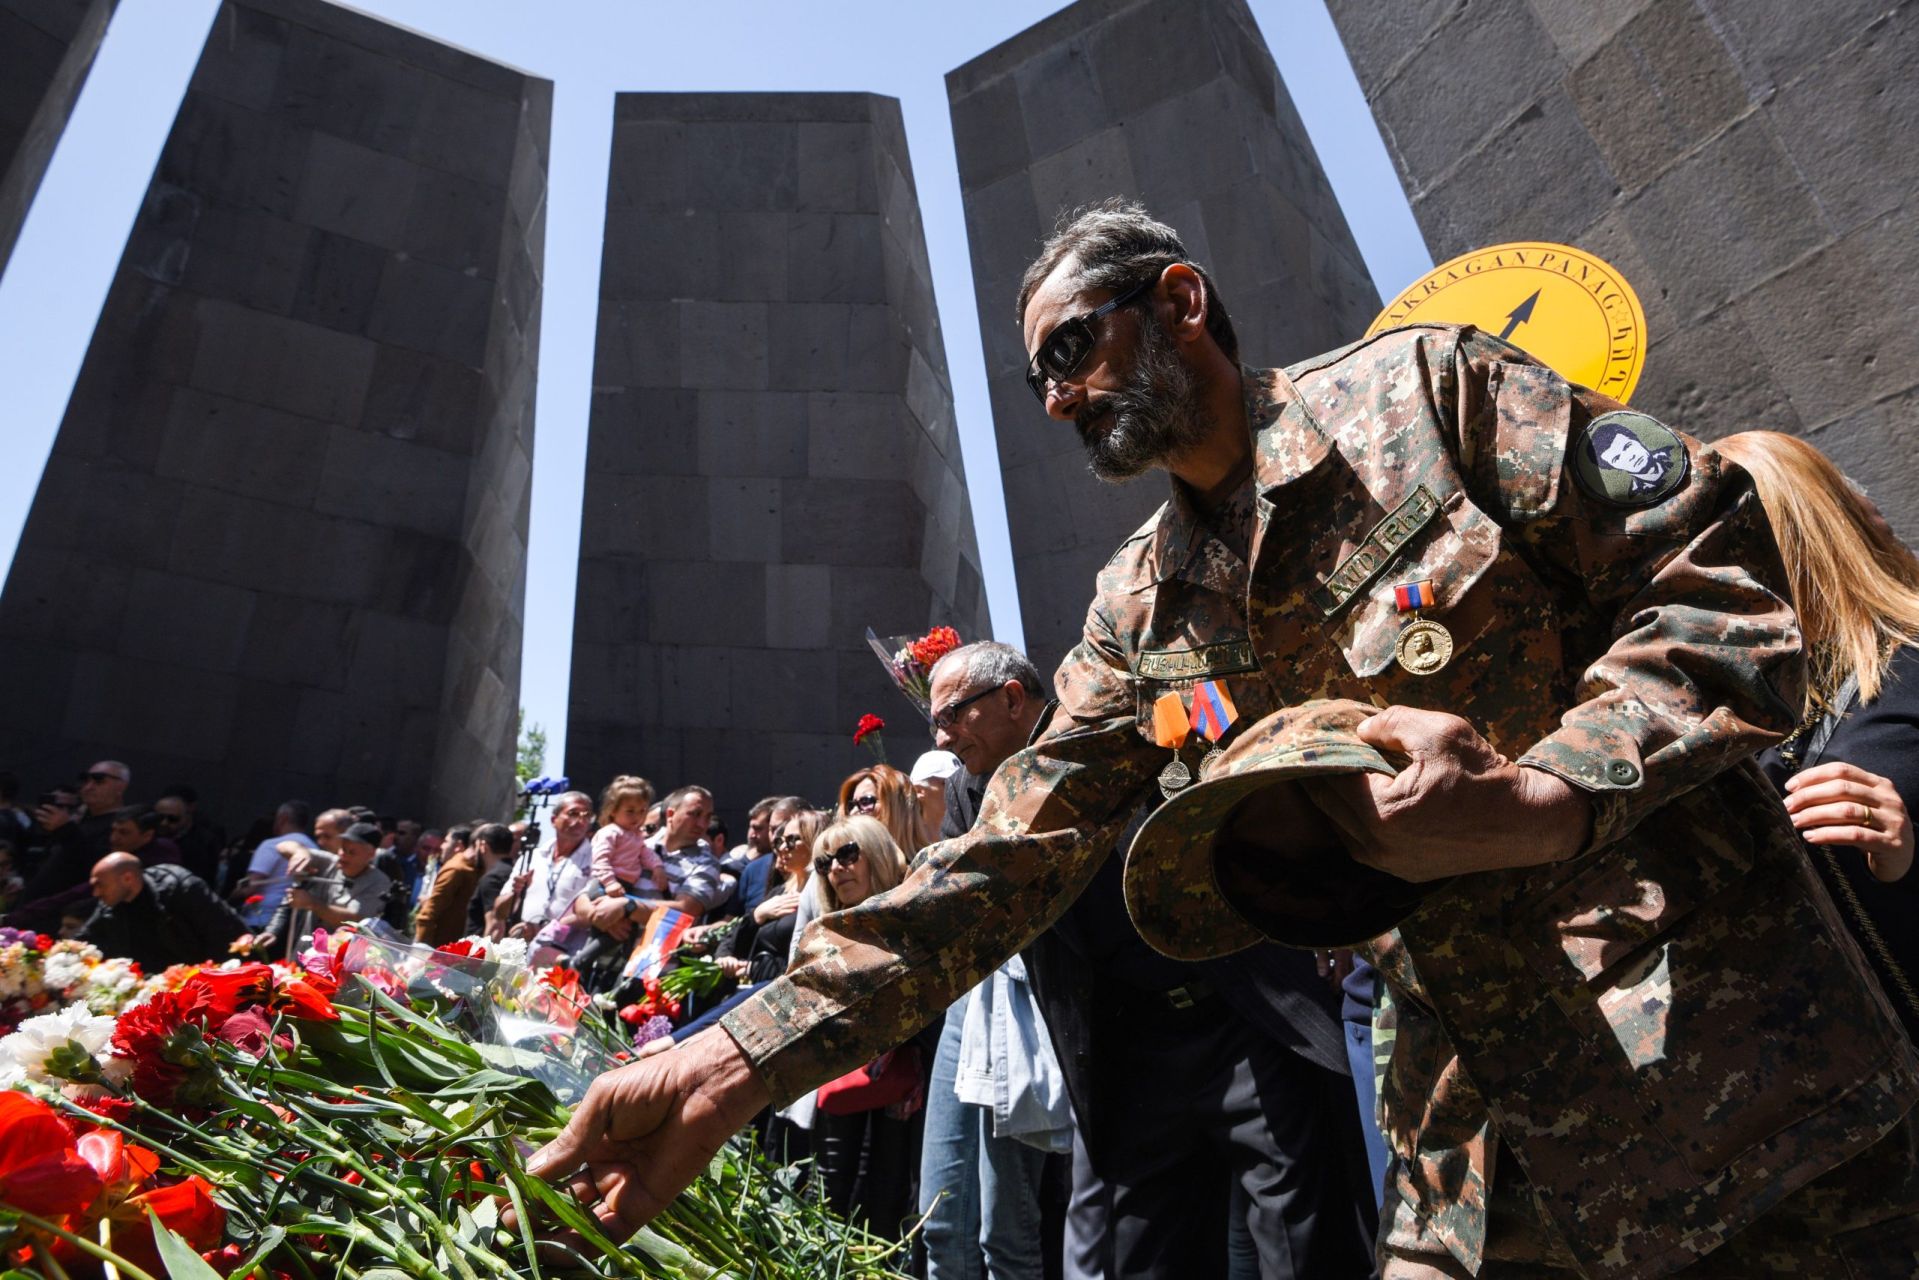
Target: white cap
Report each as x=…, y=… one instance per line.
x=935, y=764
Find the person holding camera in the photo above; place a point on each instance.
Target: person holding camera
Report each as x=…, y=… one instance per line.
x=334, y=888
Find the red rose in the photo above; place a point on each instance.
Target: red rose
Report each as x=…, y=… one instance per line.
x=869, y=723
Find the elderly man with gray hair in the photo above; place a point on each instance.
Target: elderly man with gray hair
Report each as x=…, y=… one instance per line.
x=996, y=1103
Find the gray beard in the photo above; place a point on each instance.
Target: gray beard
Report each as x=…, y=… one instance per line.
x=1157, y=415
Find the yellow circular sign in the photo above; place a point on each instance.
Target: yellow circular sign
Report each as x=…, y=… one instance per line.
x=1563, y=305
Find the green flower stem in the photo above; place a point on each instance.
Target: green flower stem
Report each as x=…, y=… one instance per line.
x=83, y=1244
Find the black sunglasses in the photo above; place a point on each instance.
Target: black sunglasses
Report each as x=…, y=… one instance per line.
x=946, y=719
x=866, y=804
x=788, y=842
x=1066, y=346
x=846, y=855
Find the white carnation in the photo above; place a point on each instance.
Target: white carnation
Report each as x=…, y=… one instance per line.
x=64, y=971
x=24, y=1054
x=510, y=951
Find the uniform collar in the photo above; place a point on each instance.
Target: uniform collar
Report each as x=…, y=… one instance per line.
x=1287, y=441
x=1287, y=444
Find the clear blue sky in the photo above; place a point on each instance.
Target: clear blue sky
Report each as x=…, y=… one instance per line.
x=51, y=293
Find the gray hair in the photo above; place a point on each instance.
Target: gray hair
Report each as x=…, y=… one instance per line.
x=566, y=798
x=1116, y=244
x=990, y=664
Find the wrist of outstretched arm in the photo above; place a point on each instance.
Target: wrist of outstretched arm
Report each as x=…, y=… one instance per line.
x=1606, y=767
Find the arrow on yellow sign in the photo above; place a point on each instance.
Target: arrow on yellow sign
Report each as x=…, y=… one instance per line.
x=1576, y=313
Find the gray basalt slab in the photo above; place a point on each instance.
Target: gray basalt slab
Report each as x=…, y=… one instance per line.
x=769, y=381
x=285, y=513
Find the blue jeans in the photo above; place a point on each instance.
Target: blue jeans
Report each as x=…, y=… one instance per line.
x=1010, y=1173
x=1359, y=1055
x=949, y=1166
x=987, y=1224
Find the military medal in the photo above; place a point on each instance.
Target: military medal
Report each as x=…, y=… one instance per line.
x=1424, y=646
x=1170, y=729
x=1213, y=715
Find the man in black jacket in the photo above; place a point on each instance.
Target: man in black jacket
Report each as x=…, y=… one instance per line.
x=1184, y=1077
x=160, y=915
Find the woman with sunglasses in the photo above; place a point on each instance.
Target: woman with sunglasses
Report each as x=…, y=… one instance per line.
x=886, y=795
x=868, y=1160
x=756, y=952
x=883, y=792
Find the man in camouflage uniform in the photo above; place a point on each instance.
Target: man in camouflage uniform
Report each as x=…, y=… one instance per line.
x=1630, y=1027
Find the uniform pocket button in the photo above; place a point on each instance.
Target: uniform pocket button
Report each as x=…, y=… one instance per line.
x=1622, y=772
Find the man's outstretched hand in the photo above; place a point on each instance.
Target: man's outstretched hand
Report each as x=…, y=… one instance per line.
x=1457, y=806
x=643, y=1132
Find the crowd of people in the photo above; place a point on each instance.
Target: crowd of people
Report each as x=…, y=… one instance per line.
x=1623, y=1021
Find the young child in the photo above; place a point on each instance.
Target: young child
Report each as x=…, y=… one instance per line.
x=622, y=860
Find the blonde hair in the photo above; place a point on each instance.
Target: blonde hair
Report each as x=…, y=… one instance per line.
x=623, y=788
x=899, y=805
x=810, y=820
x=885, y=863
x=1854, y=585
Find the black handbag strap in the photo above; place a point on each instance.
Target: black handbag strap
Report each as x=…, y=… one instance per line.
x=1829, y=723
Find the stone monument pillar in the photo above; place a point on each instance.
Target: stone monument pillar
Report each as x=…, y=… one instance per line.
x=1176, y=103
x=772, y=464
x=46, y=50
x=1746, y=166
x=280, y=546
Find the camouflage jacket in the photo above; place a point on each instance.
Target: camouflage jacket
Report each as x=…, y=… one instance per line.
x=1669, y=1031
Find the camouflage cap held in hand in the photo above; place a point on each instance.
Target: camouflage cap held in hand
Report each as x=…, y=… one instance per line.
x=1245, y=857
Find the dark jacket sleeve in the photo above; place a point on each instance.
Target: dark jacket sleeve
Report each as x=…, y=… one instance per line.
x=190, y=900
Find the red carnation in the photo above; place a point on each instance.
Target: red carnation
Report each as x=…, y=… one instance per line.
x=165, y=1039
x=40, y=1171
x=255, y=900
x=869, y=723
x=933, y=646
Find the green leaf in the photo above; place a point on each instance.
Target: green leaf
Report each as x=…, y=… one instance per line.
x=181, y=1261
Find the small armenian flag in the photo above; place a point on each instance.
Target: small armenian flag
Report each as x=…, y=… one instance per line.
x=1213, y=710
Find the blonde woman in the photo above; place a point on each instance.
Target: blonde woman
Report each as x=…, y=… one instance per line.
x=1849, y=767
x=867, y=1153
x=854, y=859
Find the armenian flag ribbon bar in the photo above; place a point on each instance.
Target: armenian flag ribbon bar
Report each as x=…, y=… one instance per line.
x=1414, y=595
x=1213, y=710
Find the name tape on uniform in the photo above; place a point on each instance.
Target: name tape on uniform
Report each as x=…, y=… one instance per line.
x=1224, y=658
x=1357, y=570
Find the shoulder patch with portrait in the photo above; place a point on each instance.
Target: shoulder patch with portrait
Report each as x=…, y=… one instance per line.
x=1628, y=459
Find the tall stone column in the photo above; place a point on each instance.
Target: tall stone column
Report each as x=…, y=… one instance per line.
x=1176, y=103
x=1746, y=165
x=46, y=50
x=280, y=546
x=772, y=460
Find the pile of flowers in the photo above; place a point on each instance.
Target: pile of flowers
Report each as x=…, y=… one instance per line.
x=38, y=972
x=362, y=1112
x=909, y=661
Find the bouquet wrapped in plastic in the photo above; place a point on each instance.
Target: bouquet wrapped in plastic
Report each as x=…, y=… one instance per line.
x=909, y=662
